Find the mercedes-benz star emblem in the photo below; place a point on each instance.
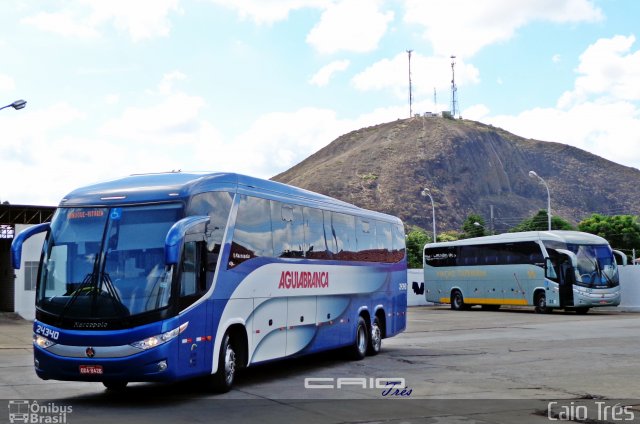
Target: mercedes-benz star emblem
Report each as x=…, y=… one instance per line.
x=90, y=352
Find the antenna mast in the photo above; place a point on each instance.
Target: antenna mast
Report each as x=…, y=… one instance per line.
x=410, y=92
x=435, y=101
x=454, y=89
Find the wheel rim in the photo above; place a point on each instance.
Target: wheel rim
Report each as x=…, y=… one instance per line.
x=362, y=339
x=457, y=300
x=229, y=365
x=542, y=302
x=376, y=338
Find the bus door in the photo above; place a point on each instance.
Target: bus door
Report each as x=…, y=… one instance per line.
x=197, y=338
x=564, y=262
x=567, y=278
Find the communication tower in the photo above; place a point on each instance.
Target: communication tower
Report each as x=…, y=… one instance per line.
x=454, y=89
x=410, y=92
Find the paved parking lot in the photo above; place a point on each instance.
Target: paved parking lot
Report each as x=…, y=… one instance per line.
x=478, y=365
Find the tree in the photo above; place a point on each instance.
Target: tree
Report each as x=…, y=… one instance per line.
x=416, y=239
x=621, y=231
x=540, y=222
x=470, y=229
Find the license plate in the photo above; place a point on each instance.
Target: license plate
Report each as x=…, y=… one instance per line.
x=91, y=369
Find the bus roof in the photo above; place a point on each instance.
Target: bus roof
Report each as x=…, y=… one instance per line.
x=572, y=237
x=180, y=186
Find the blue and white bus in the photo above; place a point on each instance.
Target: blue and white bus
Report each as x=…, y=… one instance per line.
x=170, y=276
x=546, y=269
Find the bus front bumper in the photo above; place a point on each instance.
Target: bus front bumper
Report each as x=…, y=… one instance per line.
x=157, y=364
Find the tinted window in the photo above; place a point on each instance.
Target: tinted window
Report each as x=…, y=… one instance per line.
x=288, y=230
x=441, y=256
x=252, y=234
x=384, y=243
x=398, y=243
x=366, y=239
x=216, y=205
x=343, y=231
x=314, y=234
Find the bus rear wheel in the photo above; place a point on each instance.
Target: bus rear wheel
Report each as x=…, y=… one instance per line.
x=358, y=349
x=375, y=338
x=457, y=301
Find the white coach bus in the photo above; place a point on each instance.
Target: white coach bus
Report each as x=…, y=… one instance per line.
x=547, y=269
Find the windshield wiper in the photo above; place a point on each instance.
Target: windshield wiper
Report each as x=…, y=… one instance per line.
x=74, y=295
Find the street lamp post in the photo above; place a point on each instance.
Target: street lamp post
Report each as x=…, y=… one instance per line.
x=427, y=192
x=533, y=174
x=18, y=104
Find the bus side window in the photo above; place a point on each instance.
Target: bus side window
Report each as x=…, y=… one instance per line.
x=315, y=240
x=288, y=230
x=398, y=243
x=252, y=236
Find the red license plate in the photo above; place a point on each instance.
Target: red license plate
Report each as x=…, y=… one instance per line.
x=91, y=369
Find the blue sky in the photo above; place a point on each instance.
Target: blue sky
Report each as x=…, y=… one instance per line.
x=255, y=86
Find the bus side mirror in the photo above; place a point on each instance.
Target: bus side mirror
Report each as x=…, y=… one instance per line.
x=16, y=245
x=621, y=257
x=176, y=234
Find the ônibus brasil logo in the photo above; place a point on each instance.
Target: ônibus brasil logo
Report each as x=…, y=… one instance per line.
x=32, y=412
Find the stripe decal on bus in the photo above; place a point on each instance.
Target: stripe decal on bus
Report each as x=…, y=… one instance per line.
x=489, y=301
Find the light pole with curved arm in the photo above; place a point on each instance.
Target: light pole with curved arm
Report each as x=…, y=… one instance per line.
x=427, y=192
x=533, y=174
x=18, y=104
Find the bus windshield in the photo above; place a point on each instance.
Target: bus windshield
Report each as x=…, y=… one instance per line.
x=106, y=262
x=596, y=265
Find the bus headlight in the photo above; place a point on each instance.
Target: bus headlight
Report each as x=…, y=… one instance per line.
x=42, y=342
x=154, y=341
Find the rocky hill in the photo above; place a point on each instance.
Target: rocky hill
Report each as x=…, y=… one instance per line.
x=468, y=166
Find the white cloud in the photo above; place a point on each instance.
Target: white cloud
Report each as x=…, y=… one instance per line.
x=609, y=129
x=463, y=27
x=166, y=85
x=36, y=155
x=6, y=83
x=607, y=68
x=112, y=99
x=142, y=19
x=61, y=23
x=269, y=11
x=427, y=73
x=350, y=25
x=323, y=76
x=556, y=58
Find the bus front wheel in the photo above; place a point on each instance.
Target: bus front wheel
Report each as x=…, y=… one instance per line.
x=360, y=344
x=541, y=304
x=222, y=380
x=457, y=301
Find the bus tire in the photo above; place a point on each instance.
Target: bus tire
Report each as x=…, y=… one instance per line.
x=358, y=349
x=582, y=311
x=457, y=301
x=222, y=381
x=115, y=386
x=541, y=303
x=375, y=338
